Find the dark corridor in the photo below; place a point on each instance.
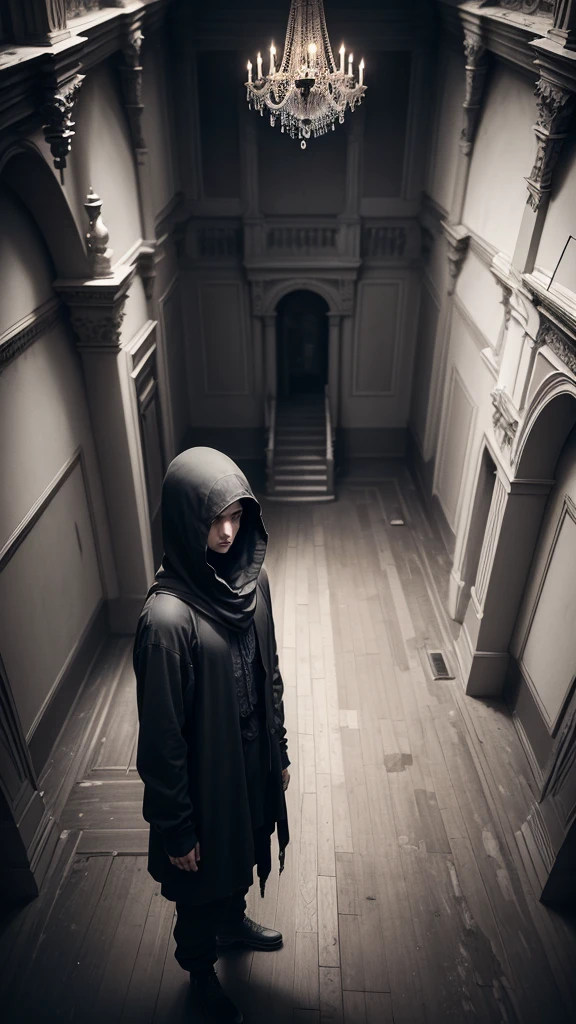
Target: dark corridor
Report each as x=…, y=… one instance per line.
x=302, y=339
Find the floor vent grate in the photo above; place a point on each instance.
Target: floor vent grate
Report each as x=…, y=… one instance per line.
x=438, y=664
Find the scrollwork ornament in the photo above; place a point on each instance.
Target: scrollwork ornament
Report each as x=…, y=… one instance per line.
x=58, y=125
x=98, y=332
x=555, y=105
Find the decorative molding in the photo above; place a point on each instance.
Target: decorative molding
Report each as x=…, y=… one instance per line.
x=491, y=534
x=504, y=418
x=458, y=240
x=555, y=104
x=558, y=342
x=56, y=113
x=536, y=7
x=97, y=309
x=476, y=70
x=18, y=338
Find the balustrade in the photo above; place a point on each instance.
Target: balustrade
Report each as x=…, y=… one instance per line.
x=304, y=240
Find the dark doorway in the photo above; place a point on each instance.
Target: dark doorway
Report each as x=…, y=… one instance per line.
x=302, y=338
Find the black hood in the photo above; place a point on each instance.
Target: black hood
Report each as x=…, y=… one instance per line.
x=199, y=484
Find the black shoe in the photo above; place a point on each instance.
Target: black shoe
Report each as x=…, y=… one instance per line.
x=215, y=1004
x=253, y=935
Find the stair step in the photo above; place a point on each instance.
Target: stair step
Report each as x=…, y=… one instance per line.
x=303, y=461
x=300, y=488
x=297, y=478
x=305, y=449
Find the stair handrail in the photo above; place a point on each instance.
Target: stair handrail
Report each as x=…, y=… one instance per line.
x=329, y=443
x=271, y=424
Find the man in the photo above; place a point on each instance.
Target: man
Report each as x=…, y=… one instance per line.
x=212, y=749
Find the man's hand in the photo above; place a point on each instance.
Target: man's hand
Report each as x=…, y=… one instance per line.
x=285, y=779
x=189, y=862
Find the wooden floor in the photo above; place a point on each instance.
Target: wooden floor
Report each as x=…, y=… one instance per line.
x=406, y=897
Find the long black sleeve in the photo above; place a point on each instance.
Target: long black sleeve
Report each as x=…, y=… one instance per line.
x=277, y=681
x=165, y=685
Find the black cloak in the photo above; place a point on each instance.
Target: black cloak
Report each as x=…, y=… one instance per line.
x=190, y=753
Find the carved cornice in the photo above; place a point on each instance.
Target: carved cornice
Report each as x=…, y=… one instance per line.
x=458, y=240
x=476, y=70
x=504, y=418
x=16, y=340
x=555, y=105
x=560, y=343
x=23, y=72
x=97, y=309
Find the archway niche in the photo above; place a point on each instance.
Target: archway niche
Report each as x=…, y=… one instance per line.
x=25, y=171
x=302, y=344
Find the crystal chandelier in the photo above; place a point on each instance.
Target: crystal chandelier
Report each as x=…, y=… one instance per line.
x=307, y=92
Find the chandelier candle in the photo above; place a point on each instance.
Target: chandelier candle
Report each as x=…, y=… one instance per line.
x=307, y=92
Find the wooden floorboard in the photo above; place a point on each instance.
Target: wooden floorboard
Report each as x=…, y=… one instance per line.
x=405, y=898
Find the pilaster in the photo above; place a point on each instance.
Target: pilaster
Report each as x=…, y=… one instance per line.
x=511, y=532
x=96, y=314
x=271, y=373
x=334, y=361
x=555, y=99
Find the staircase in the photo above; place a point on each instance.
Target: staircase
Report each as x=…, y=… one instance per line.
x=300, y=462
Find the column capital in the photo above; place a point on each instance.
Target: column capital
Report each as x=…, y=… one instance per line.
x=97, y=309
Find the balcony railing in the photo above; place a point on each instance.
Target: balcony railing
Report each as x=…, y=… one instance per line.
x=301, y=240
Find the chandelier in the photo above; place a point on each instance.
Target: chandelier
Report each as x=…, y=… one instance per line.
x=306, y=92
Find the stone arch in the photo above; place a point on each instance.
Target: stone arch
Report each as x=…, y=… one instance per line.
x=327, y=290
x=548, y=422
x=24, y=170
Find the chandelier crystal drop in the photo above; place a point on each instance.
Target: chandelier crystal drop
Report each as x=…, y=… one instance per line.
x=307, y=92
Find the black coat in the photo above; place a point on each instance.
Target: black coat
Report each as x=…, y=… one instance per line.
x=190, y=753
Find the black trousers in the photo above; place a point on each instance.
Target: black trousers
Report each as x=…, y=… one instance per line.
x=196, y=929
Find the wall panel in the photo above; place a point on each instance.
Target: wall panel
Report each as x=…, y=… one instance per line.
x=549, y=656
x=50, y=586
x=223, y=334
x=456, y=431
x=377, y=337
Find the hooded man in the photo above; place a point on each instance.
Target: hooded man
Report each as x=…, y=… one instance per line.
x=212, y=749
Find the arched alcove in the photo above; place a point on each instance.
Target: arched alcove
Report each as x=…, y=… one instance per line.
x=25, y=171
x=302, y=344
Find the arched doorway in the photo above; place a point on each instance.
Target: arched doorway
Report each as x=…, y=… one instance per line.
x=302, y=344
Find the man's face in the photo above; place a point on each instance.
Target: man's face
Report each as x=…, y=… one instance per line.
x=224, y=528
